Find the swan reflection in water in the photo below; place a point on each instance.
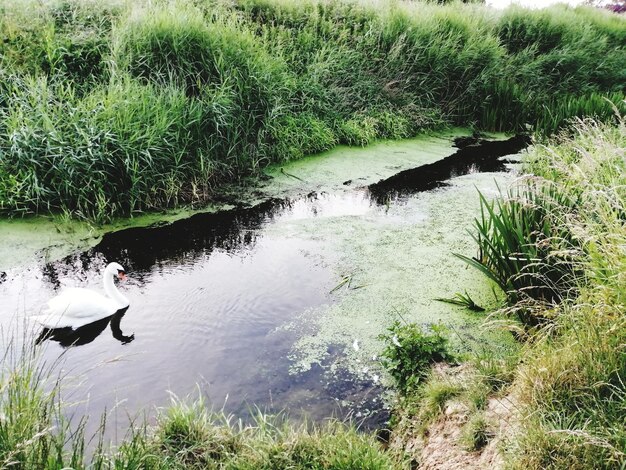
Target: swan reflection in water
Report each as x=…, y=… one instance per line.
x=85, y=334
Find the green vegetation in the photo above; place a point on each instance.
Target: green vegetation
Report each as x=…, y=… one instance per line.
x=112, y=108
x=572, y=381
x=463, y=300
x=410, y=352
x=525, y=245
x=475, y=434
x=555, y=244
x=35, y=434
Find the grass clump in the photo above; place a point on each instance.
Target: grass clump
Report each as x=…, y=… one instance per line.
x=525, y=245
x=475, y=434
x=431, y=399
x=463, y=300
x=495, y=370
x=188, y=436
x=34, y=433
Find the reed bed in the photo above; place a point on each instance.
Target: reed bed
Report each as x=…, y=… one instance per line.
x=112, y=108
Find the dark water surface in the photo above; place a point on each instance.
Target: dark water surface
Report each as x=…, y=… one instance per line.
x=207, y=297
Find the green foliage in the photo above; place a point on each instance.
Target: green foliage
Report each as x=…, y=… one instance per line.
x=463, y=300
x=188, y=436
x=564, y=226
x=300, y=135
x=496, y=370
x=410, y=352
x=217, y=90
x=433, y=395
x=34, y=433
x=525, y=245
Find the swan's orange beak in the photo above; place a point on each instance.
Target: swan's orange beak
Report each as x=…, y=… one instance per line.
x=122, y=276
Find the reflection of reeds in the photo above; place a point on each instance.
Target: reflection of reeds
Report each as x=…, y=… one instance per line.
x=108, y=109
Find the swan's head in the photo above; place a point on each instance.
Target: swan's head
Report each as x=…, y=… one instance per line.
x=116, y=269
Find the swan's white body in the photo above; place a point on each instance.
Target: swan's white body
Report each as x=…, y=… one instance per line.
x=75, y=307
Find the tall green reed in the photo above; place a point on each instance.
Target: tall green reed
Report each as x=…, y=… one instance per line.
x=559, y=237
x=525, y=244
x=241, y=85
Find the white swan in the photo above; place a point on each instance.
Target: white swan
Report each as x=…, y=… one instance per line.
x=78, y=306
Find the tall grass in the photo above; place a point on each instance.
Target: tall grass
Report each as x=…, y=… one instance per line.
x=555, y=243
x=526, y=246
x=112, y=108
x=33, y=431
x=560, y=239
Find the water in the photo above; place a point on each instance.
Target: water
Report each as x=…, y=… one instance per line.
x=210, y=297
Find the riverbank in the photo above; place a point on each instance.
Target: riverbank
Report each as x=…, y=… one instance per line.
x=48, y=238
x=113, y=109
x=254, y=300
x=559, y=400
x=110, y=110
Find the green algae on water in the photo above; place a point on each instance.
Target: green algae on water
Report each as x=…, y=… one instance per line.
x=26, y=240
x=398, y=260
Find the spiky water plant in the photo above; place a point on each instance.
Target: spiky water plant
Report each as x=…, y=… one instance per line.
x=525, y=244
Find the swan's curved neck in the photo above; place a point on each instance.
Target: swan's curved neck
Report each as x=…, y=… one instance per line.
x=112, y=292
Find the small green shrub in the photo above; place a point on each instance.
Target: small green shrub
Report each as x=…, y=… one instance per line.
x=358, y=131
x=410, y=351
x=296, y=136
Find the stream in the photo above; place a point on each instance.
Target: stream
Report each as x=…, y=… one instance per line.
x=275, y=303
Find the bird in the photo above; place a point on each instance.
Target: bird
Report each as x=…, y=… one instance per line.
x=76, y=306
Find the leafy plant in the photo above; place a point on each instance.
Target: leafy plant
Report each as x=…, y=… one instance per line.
x=410, y=351
x=526, y=246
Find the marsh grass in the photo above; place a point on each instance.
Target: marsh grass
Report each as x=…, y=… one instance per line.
x=33, y=431
x=462, y=300
x=526, y=245
x=113, y=108
x=555, y=243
